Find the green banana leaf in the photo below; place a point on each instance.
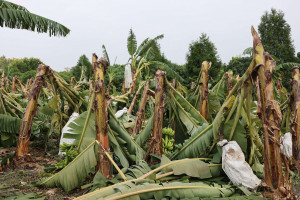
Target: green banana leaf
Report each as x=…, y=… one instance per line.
x=128, y=142
x=196, y=145
x=176, y=190
x=76, y=172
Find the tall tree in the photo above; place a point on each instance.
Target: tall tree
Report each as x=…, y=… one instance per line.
x=203, y=50
x=275, y=34
x=18, y=17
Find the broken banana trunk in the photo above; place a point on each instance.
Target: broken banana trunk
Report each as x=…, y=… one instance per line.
x=25, y=129
x=270, y=115
x=156, y=143
x=101, y=117
x=204, y=89
x=229, y=80
x=295, y=126
x=141, y=112
x=3, y=81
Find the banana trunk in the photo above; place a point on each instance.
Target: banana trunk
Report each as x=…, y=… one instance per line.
x=270, y=115
x=156, y=143
x=204, y=89
x=25, y=130
x=3, y=81
x=141, y=112
x=295, y=126
x=101, y=117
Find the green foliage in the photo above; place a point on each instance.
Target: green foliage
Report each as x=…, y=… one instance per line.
x=82, y=63
x=27, y=75
x=18, y=17
x=131, y=43
x=70, y=155
x=22, y=67
x=203, y=50
x=275, y=34
x=66, y=75
x=238, y=65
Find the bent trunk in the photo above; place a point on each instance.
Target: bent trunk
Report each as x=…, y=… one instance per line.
x=101, y=117
x=25, y=130
x=204, y=89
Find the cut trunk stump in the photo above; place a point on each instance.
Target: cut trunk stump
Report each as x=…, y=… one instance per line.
x=270, y=115
x=295, y=125
x=101, y=117
x=156, y=143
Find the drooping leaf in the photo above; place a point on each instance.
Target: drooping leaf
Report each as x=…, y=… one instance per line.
x=18, y=17
x=76, y=172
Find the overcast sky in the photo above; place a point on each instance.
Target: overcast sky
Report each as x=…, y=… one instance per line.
x=94, y=23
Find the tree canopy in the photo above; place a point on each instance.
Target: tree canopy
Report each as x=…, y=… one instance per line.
x=199, y=51
x=18, y=17
x=275, y=34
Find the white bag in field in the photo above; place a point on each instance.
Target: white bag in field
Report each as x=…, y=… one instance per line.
x=286, y=145
x=235, y=166
x=128, y=76
x=66, y=130
x=120, y=113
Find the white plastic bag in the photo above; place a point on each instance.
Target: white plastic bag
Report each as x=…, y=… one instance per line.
x=66, y=130
x=235, y=166
x=128, y=76
x=286, y=145
x=120, y=113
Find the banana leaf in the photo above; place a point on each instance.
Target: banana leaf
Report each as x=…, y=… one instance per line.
x=131, y=146
x=77, y=171
x=196, y=145
x=176, y=190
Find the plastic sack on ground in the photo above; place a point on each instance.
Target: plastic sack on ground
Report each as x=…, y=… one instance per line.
x=235, y=166
x=128, y=76
x=120, y=113
x=65, y=130
x=286, y=145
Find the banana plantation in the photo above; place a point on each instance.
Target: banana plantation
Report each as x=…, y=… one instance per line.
x=238, y=138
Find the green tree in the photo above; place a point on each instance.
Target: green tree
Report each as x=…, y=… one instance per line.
x=22, y=67
x=18, y=17
x=65, y=75
x=275, y=35
x=84, y=64
x=238, y=65
x=203, y=50
x=27, y=75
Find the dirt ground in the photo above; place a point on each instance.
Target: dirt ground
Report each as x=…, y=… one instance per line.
x=20, y=182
